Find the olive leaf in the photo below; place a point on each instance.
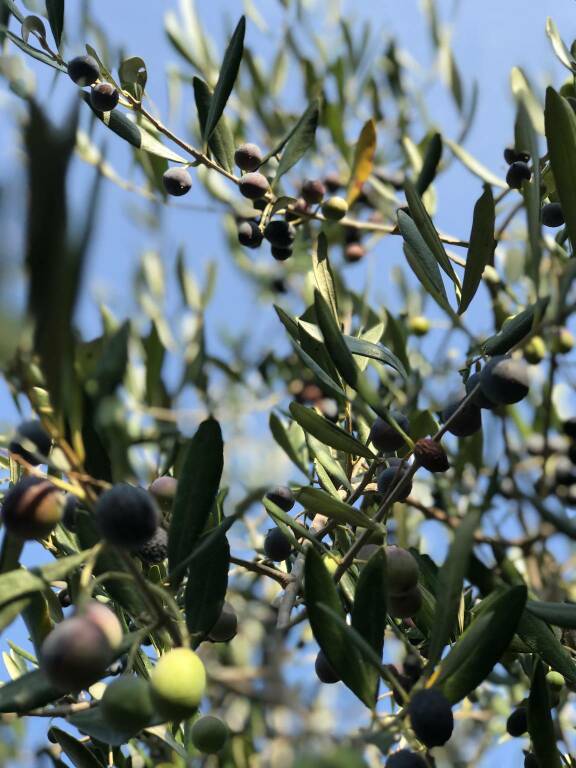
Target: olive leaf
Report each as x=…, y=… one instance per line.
x=55, y=10
x=481, y=248
x=226, y=78
x=198, y=484
x=298, y=141
x=363, y=160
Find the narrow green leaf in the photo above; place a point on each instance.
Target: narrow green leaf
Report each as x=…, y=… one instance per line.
x=524, y=94
x=516, y=328
x=226, y=78
x=31, y=51
x=422, y=261
x=319, y=590
x=198, y=483
x=370, y=600
x=560, y=49
x=559, y=614
x=481, y=248
x=560, y=125
x=540, y=723
x=334, y=340
x=430, y=164
x=75, y=751
x=20, y=582
x=323, y=273
x=541, y=640
x=474, y=166
x=527, y=140
x=300, y=140
x=450, y=584
x=207, y=585
x=428, y=232
x=221, y=142
x=289, y=444
x=327, y=432
x=55, y=10
x=375, y=351
x=122, y=126
x=481, y=646
x=28, y=692
x=321, y=503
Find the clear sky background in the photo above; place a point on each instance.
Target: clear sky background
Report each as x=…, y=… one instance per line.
x=489, y=39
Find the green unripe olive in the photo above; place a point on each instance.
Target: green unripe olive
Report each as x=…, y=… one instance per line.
x=334, y=208
x=401, y=569
x=32, y=508
x=248, y=157
x=75, y=654
x=106, y=620
x=104, y=97
x=209, y=734
x=555, y=679
x=31, y=442
x=418, y=325
x=535, y=350
x=127, y=516
x=253, y=185
x=562, y=341
x=177, y=683
x=83, y=70
x=177, y=182
x=331, y=563
x=127, y=704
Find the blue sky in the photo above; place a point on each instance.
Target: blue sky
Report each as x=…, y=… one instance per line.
x=489, y=38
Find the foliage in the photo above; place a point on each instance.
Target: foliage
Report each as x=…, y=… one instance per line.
x=484, y=625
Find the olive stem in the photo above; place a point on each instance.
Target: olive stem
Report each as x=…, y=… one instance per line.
x=263, y=570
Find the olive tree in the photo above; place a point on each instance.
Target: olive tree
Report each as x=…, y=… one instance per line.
x=188, y=612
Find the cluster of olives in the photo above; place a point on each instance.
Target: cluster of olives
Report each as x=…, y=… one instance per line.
x=84, y=70
x=78, y=652
x=279, y=232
